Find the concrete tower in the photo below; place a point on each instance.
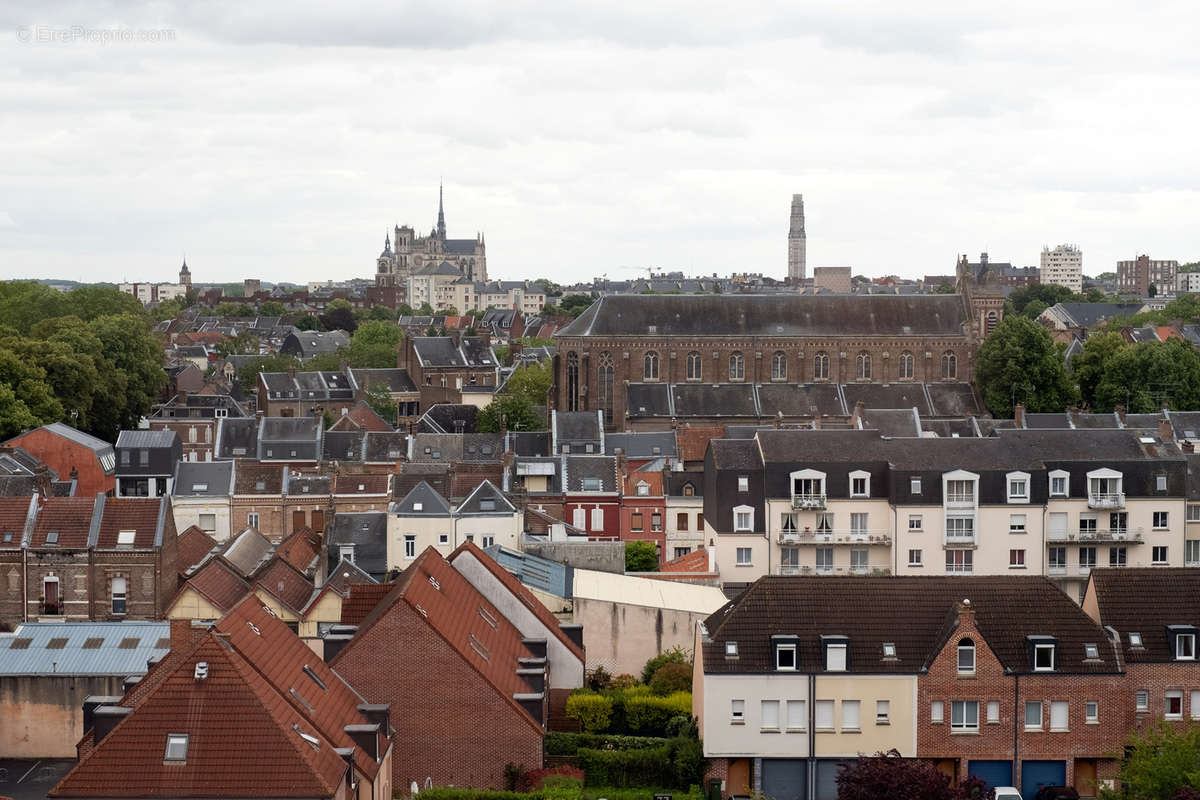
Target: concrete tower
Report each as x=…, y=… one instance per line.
x=797, y=242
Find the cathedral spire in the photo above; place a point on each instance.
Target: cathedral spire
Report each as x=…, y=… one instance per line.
x=441, y=223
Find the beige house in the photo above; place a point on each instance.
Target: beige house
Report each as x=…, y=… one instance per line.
x=201, y=495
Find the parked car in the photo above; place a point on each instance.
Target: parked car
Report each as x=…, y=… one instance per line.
x=1056, y=793
x=1007, y=793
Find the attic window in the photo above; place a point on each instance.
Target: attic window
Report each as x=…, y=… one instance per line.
x=418, y=506
x=125, y=538
x=592, y=485
x=8, y=536
x=428, y=450
x=52, y=537
x=1135, y=640
x=57, y=643
x=239, y=451
x=260, y=485
x=731, y=650
x=93, y=643
x=199, y=487
x=437, y=453
x=656, y=450
x=177, y=747
x=889, y=649
x=486, y=449
x=1091, y=651
x=487, y=505
x=362, y=487
x=304, y=488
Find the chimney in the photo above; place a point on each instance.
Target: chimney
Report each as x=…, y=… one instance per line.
x=1019, y=415
x=1187, y=446
x=365, y=738
x=1166, y=431
x=514, y=349
x=41, y=479
x=622, y=463
x=966, y=614
x=181, y=634
x=91, y=703
x=1121, y=414
x=104, y=719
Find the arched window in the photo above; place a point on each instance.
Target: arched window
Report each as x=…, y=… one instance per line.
x=863, y=366
x=572, y=381
x=689, y=490
x=949, y=365
x=650, y=373
x=906, y=365
x=604, y=385
x=992, y=319
x=737, y=367
x=966, y=657
x=779, y=366
x=821, y=366
x=694, y=368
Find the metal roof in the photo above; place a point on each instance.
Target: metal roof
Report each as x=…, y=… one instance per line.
x=82, y=648
x=146, y=438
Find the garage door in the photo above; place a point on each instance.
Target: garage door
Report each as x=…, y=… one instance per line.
x=993, y=773
x=827, y=772
x=1036, y=774
x=785, y=778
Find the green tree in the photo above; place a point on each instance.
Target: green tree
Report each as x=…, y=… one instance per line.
x=309, y=323
x=248, y=373
x=1160, y=760
x=168, y=309
x=1089, y=365
x=425, y=310
x=676, y=655
x=641, y=557
x=272, y=308
x=24, y=303
x=244, y=344
x=532, y=382
x=380, y=400
x=15, y=416
x=945, y=288
x=133, y=351
x=228, y=309
x=575, y=304
x=383, y=314
x=374, y=345
x=91, y=302
x=1143, y=376
x=1046, y=293
x=27, y=380
x=513, y=411
x=339, y=315
x=1019, y=362
x=1034, y=309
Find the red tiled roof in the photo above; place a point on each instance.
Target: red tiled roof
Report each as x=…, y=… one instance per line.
x=362, y=601
x=218, y=583
x=248, y=475
x=695, y=561
x=221, y=714
x=693, y=441
x=362, y=417
x=300, y=549
x=452, y=609
x=371, y=483
x=518, y=589
x=13, y=511
x=192, y=546
x=139, y=514
x=283, y=581
x=70, y=516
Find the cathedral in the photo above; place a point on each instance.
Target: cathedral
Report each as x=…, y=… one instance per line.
x=406, y=254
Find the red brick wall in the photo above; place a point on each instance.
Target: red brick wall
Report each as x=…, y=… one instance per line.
x=1157, y=680
x=61, y=455
x=451, y=724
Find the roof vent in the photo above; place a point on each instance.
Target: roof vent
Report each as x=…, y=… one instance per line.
x=201, y=670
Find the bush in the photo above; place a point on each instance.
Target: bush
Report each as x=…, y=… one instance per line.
x=672, y=677
x=568, y=744
x=641, y=557
x=641, y=793
x=623, y=681
x=456, y=793
x=626, y=768
x=651, y=714
x=599, y=679
x=676, y=655
x=593, y=711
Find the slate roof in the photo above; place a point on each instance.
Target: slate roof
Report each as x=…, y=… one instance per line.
x=237, y=437
x=917, y=614
x=1146, y=600
x=344, y=575
x=343, y=445
x=577, y=426
x=247, y=551
x=713, y=400
x=437, y=475
x=82, y=648
x=384, y=448
x=482, y=447
x=367, y=531
x=259, y=479
x=441, y=418
x=1089, y=315
x=396, y=380
x=529, y=443
x=300, y=485
x=579, y=468
x=437, y=351
x=893, y=395
x=423, y=500
x=770, y=315
x=802, y=399
x=203, y=479
x=482, y=494
x=437, y=447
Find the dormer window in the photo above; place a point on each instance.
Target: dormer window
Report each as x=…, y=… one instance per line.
x=743, y=518
x=743, y=483
x=643, y=489
x=835, y=653
x=1091, y=651
x=860, y=483
x=785, y=653
x=1160, y=483
x=966, y=657
x=1135, y=640
x=52, y=537
x=914, y=485
x=731, y=649
x=1043, y=653
x=1018, y=487
x=177, y=747
x=1058, y=483
x=1185, y=641
x=889, y=650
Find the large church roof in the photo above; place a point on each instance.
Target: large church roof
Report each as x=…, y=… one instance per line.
x=771, y=315
x=459, y=247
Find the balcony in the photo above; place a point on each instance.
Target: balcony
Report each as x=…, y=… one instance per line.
x=1101, y=535
x=808, y=501
x=1055, y=569
x=791, y=569
x=960, y=500
x=867, y=537
x=960, y=540
x=1106, y=500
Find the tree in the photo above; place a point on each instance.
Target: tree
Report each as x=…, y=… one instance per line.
x=945, y=288
x=168, y=309
x=1160, y=760
x=15, y=416
x=1143, y=376
x=248, y=373
x=339, y=316
x=383, y=313
x=641, y=557
x=425, y=310
x=380, y=400
x=309, y=323
x=132, y=349
x=244, y=344
x=1034, y=309
x=575, y=304
x=676, y=655
x=1152, y=291
x=228, y=309
x=1019, y=362
x=272, y=308
x=512, y=411
x=1047, y=293
x=893, y=776
x=672, y=678
x=1090, y=364
x=531, y=381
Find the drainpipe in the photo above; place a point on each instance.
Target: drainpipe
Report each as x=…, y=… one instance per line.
x=1016, y=761
x=811, y=776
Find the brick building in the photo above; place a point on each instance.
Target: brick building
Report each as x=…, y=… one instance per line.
x=1138, y=275
x=71, y=452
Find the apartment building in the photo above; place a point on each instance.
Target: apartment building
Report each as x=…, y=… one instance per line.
x=1063, y=266
x=1138, y=275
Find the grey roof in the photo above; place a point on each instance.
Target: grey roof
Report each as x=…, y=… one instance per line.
x=437, y=351
x=203, y=479
x=237, y=434
x=311, y=343
x=247, y=551
x=290, y=429
x=887, y=395
x=147, y=438
x=577, y=426
x=482, y=447
x=346, y=573
x=801, y=399
x=643, y=445
x=1089, y=315
x=478, y=351
x=714, y=400
x=90, y=648
x=456, y=247
x=382, y=447
x=580, y=468
x=485, y=491
x=343, y=445
x=299, y=485
x=396, y=380
x=529, y=443
x=771, y=315
x=104, y=450
x=1193, y=477
x=953, y=399
x=1185, y=423
x=431, y=503
x=442, y=418
x=437, y=447
x=367, y=531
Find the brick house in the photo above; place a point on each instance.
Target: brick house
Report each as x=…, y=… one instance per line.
x=473, y=688
x=194, y=418
x=71, y=452
x=643, y=510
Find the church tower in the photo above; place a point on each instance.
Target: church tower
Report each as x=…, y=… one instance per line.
x=185, y=275
x=441, y=223
x=797, y=242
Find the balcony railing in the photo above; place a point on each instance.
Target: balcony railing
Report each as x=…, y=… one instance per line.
x=1100, y=535
x=1056, y=570
x=959, y=540
x=836, y=537
x=871, y=569
x=960, y=499
x=1106, y=500
x=808, y=501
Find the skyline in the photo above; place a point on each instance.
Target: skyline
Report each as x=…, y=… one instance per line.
x=278, y=142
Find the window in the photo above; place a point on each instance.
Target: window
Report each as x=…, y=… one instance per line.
x=1116, y=556
x=635, y=521
x=689, y=490
x=858, y=561
x=650, y=372
x=914, y=485
x=737, y=367
x=177, y=747
x=1016, y=523
x=579, y=518
x=487, y=541
x=949, y=366
x=1087, y=558
x=597, y=519
x=824, y=559
x=1195, y=703
x=797, y=718
x=208, y=522
x=962, y=528
x=823, y=710
x=1143, y=700
x=1058, y=484
x=1091, y=651
x=785, y=657
x=770, y=715
x=851, y=715
x=1018, y=487
x=1135, y=640
x=681, y=521
x=959, y=561
x=1033, y=715
x=443, y=538
x=964, y=715
x=862, y=366
x=1158, y=554
x=914, y=558
x=743, y=518
x=889, y=650
x=993, y=712
x=779, y=366
x=824, y=522
x=1193, y=512
x=1160, y=483
x=743, y=556
x=126, y=538
x=1160, y=520
x=860, y=484
x=694, y=366
x=821, y=366
x=1087, y=527
x=143, y=458
x=1057, y=557
x=743, y=483
x=883, y=712
x=656, y=521
x=905, y=372
x=966, y=657
x=118, y=595
x=914, y=522
x=960, y=491
x=858, y=523
x=787, y=522
x=1185, y=647
x=835, y=656
x=643, y=489
x=935, y=711
x=1058, y=715
x=591, y=484
x=1091, y=712
x=1016, y=559
x=731, y=650
x=1043, y=658
x=738, y=712
x=1174, y=708
x=410, y=546
x=252, y=520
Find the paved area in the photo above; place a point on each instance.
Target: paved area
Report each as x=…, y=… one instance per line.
x=27, y=779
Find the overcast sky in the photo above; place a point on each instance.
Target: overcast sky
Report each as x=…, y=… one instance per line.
x=281, y=140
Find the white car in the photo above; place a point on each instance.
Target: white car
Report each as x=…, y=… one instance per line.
x=1007, y=793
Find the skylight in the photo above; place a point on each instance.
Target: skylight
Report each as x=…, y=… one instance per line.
x=177, y=747
x=52, y=537
x=125, y=538
x=199, y=487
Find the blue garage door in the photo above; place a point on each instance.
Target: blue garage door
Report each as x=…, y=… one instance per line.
x=785, y=778
x=1036, y=774
x=993, y=773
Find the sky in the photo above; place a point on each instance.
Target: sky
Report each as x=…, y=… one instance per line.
x=282, y=140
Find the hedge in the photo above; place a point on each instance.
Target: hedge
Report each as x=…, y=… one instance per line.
x=679, y=763
x=563, y=789
x=650, y=713
x=567, y=744
x=594, y=711
x=636, y=711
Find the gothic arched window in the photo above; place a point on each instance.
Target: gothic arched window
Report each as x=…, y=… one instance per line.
x=650, y=372
x=863, y=366
x=779, y=366
x=906, y=365
x=694, y=366
x=949, y=365
x=821, y=366
x=604, y=385
x=572, y=381
x=737, y=367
